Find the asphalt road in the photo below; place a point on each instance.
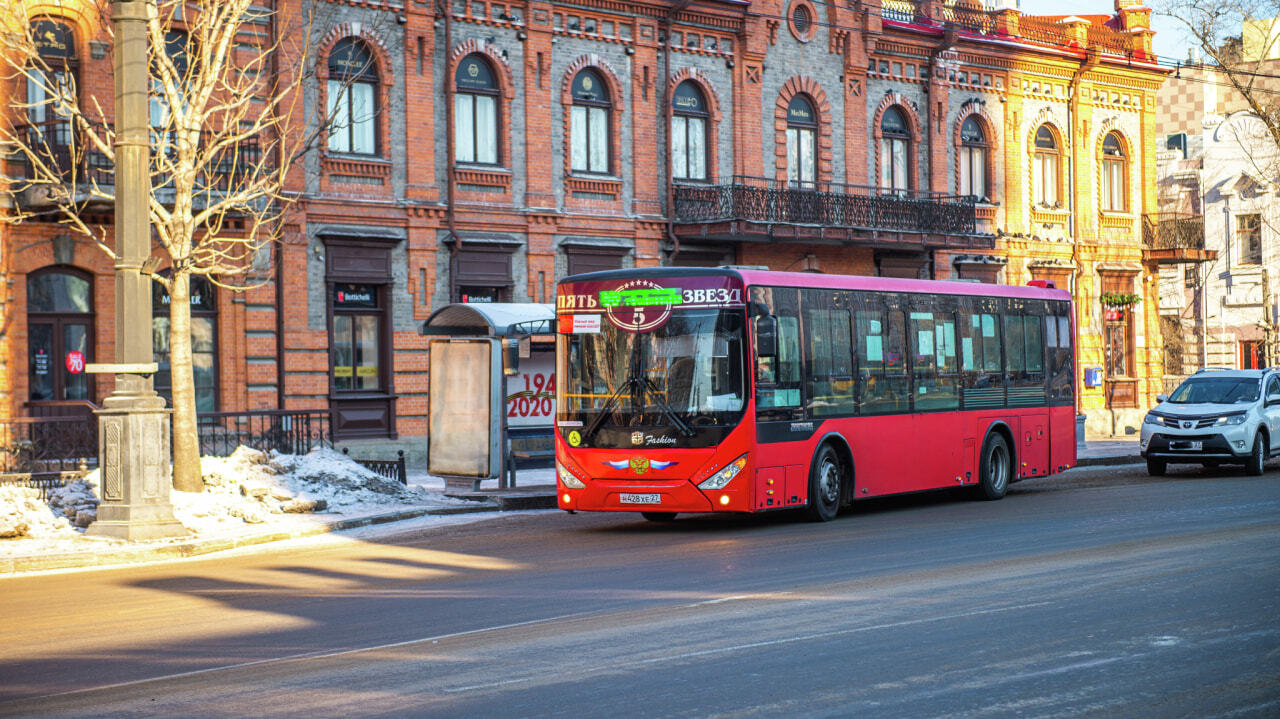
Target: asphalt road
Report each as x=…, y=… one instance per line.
x=1101, y=592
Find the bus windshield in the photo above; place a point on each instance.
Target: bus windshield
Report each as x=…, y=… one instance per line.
x=677, y=385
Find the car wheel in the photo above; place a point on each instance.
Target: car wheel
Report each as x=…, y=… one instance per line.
x=659, y=516
x=1253, y=467
x=1156, y=467
x=824, y=486
x=994, y=468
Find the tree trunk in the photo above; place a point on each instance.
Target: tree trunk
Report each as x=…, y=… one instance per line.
x=186, y=441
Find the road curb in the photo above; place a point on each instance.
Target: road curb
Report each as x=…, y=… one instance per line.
x=200, y=547
x=1103, y=461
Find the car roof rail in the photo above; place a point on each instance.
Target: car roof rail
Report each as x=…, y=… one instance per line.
x=1215, y=369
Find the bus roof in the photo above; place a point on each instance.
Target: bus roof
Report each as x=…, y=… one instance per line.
x=826, y=281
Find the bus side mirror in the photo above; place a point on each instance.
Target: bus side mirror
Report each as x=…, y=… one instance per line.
x=766, y=330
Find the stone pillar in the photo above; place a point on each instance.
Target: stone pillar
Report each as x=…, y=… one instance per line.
x=133, y=425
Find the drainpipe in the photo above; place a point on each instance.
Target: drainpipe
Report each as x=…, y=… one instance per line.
x=451, y=177
x=1073, y=89
x=666, y=114
x=279, y=268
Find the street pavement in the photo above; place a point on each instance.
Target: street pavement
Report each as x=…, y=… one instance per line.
x=532, y=491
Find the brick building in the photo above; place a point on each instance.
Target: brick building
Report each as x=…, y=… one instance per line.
x=491, y=150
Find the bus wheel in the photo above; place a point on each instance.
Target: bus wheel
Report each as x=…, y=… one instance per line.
x=658, y=516
x=993, y=468
x=824, y=486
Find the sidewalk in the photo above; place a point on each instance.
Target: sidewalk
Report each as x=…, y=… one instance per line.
x=535, y=489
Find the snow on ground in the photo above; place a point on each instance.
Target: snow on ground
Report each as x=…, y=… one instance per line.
x=247, y=492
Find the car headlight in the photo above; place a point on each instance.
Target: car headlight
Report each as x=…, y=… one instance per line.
x=723, y=477
x=568, y=478
x=1152, y=419
x=1234, y=419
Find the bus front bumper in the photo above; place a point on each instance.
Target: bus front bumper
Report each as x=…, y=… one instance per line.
x=604, y=495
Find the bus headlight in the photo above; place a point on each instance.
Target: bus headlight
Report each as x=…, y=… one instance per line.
x=723, y=477
x=568, y=479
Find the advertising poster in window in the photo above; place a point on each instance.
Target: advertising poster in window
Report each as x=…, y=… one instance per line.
x=531, y=392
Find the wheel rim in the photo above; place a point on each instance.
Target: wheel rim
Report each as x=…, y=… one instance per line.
x=998, y=465
x=829, y=482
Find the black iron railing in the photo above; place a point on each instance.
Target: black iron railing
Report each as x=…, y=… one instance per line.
x=62, y=149
x=1173, y=231
x=392, y=469
x=48, y=445
x=285, y=431
x=826, y=204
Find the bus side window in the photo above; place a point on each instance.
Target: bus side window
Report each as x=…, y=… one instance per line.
x=982, y=378
x=1061, y=370
x=1024, y=360
x=778, y=377
x=933, y=338
x=830, y=354
x=882, y=368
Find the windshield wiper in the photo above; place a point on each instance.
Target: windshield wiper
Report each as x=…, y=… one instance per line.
x=638, y=385
x=681, y=425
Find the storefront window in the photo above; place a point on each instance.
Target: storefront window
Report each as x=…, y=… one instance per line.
x=357, y=325
x=59, y=335
x=204, y=349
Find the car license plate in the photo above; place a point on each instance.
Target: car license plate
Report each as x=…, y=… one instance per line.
x=1189, y=446
x=640, y=498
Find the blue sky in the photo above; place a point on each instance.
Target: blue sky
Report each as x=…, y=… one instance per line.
x=1172, y=39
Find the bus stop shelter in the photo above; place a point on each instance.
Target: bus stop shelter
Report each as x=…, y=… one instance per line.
x=492, y=390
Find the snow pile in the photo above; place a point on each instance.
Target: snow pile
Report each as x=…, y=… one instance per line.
x=248, y=487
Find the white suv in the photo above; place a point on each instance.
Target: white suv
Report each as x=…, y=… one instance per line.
x=1216, y=417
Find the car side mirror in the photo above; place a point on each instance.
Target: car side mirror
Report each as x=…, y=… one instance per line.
x=1162, y=397
x=766, y=331
x=1273, y=400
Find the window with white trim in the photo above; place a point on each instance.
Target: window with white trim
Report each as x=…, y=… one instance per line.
x=589, y=124
x=352, y=98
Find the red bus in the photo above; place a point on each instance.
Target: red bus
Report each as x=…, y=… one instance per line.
x=739, y=390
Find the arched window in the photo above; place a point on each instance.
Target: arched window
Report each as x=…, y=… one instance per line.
x=589, y=124
x=475, y=112
x=1114, y=171
x=802, y=129
x=353, y=92
x=59, y=334
x=894, y=158
x=689, y=133
x=204, y=345
x=51, y=83
x=1045, y=167
x=973, y=159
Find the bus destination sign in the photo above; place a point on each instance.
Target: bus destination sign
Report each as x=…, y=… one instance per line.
x=643, y=304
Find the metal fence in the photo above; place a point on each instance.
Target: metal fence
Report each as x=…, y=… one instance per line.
x=392, y=469
x=829, y=204
x=285, y=431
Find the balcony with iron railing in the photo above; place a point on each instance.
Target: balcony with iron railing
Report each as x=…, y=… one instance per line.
x=64, y=152
x=1171, y=238
x=761, y=208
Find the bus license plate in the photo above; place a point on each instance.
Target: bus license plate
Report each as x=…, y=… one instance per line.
x=640, y=498
x=1188, y=446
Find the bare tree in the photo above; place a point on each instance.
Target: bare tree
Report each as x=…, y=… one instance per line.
x=226, y=123
x=1241, y=38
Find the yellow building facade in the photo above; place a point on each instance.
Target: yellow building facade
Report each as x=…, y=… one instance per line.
x=1078, y=177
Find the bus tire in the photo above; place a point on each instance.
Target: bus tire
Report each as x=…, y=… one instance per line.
x=824, y=486
x=659, y=516
x=994, y=468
